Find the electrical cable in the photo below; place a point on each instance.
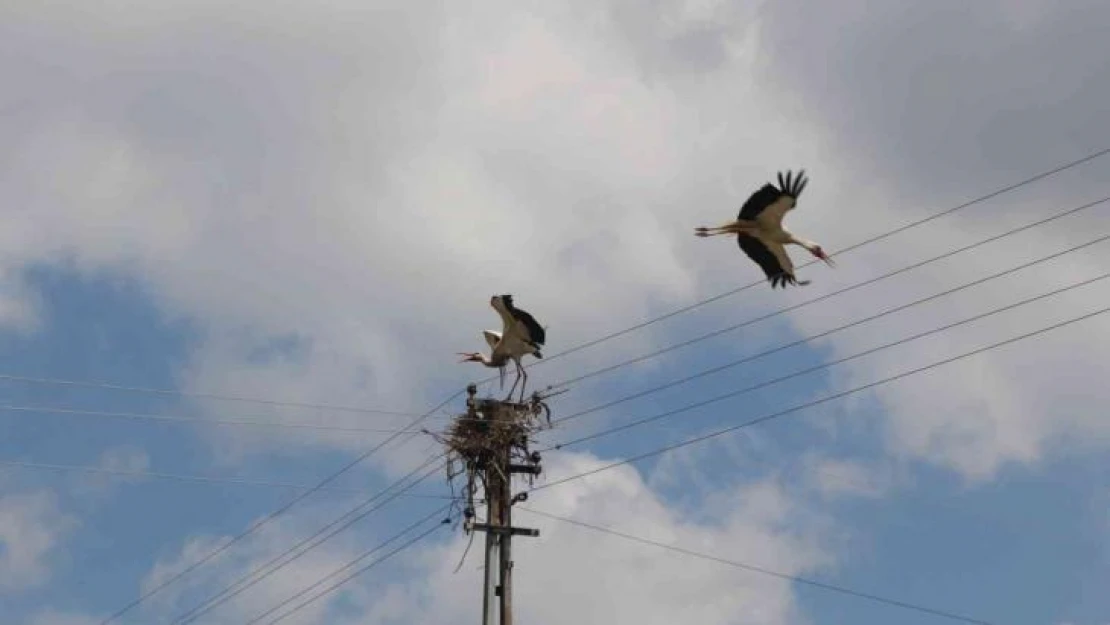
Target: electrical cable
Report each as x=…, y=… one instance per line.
x=7, y=377
x=194, y=478
x=230, y=591
x=823, y=400
x=831, y=294
x=889, y=311
x=253, y=528
x=347, y=566
x=197, y=420
x=1011, y=187
x=355, y=574
x=826, y=365
x=763, y=571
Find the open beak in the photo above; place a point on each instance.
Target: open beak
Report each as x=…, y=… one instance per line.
x=828, y=261
x=465, y=357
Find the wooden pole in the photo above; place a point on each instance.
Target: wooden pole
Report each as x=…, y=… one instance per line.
x=491, y=549
x=496, y=467
x=506, y=496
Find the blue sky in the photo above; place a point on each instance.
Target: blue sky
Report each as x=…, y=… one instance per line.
x=314, y=204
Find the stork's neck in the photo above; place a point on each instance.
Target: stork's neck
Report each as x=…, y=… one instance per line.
x=796, y=240
x=494, y=360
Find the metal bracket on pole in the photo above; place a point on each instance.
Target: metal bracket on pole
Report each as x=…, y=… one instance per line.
x=534, y=469
x=512, y=531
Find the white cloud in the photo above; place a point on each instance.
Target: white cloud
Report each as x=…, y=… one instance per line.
x=31, y=528
x=602, y=576
x=834, y=477
x=120, y=458
x=259, y=224
x=363, y=181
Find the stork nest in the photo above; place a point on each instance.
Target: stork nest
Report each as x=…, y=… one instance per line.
x=472, y=439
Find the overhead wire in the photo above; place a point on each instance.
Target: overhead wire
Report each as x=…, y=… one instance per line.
x=351, y=563
x=330, y=589
x=917, y=607
x=273, y=515
x=140, y=416
x=8, y=377
x=978, y=200
x=124, y=473
x=585, y=345
x=256, y=575
x=579, y=347
x=826, y=365
x=831, y=294
x=817, y=402
x=823, y=334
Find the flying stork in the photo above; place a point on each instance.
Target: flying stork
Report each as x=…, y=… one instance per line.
x=760, y=234
x=520, y=335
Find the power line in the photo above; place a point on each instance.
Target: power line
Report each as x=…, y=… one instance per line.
x=766, y=383
x=362, y=556
x=193, y=478
x=362, y=457
x=823, y=400
x=889, y=311
x=230, y=591
x=335, y=586
x=831, y=294
x=273, y=515
x=197, y=420
x=762, y=571
x=579, y=347
x=200, y=395
x=914, y=224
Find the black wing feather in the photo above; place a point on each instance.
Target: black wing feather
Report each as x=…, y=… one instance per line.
x=535, y=330
x=768, y=193
x=758, y=252
x=758, y=201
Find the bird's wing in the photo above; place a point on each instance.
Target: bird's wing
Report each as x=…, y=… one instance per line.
x=793, y=185
x=507, y=320
x=772, y=215
x=758, y=201
x=758, y=251
x=771, y=258
x=493, y=338
x=783, y=258
x=532, y=330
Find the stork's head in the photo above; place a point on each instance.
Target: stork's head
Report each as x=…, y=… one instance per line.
x=820, y=253
x=505, y=301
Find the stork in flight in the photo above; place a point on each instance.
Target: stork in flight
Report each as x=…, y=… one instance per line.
x=520, y=335
x=759, y=232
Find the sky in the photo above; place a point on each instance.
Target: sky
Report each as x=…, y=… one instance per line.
x=295, y=214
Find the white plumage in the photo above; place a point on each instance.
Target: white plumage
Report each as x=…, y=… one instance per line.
x=520, y=335
x=759, y=232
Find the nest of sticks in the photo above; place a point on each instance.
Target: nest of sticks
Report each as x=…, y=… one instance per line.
x=472, y=439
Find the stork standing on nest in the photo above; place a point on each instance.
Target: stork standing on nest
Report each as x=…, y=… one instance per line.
x=520, y=335
x=760, y=234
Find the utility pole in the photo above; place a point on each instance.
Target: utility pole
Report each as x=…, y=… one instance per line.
x=488, y=438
